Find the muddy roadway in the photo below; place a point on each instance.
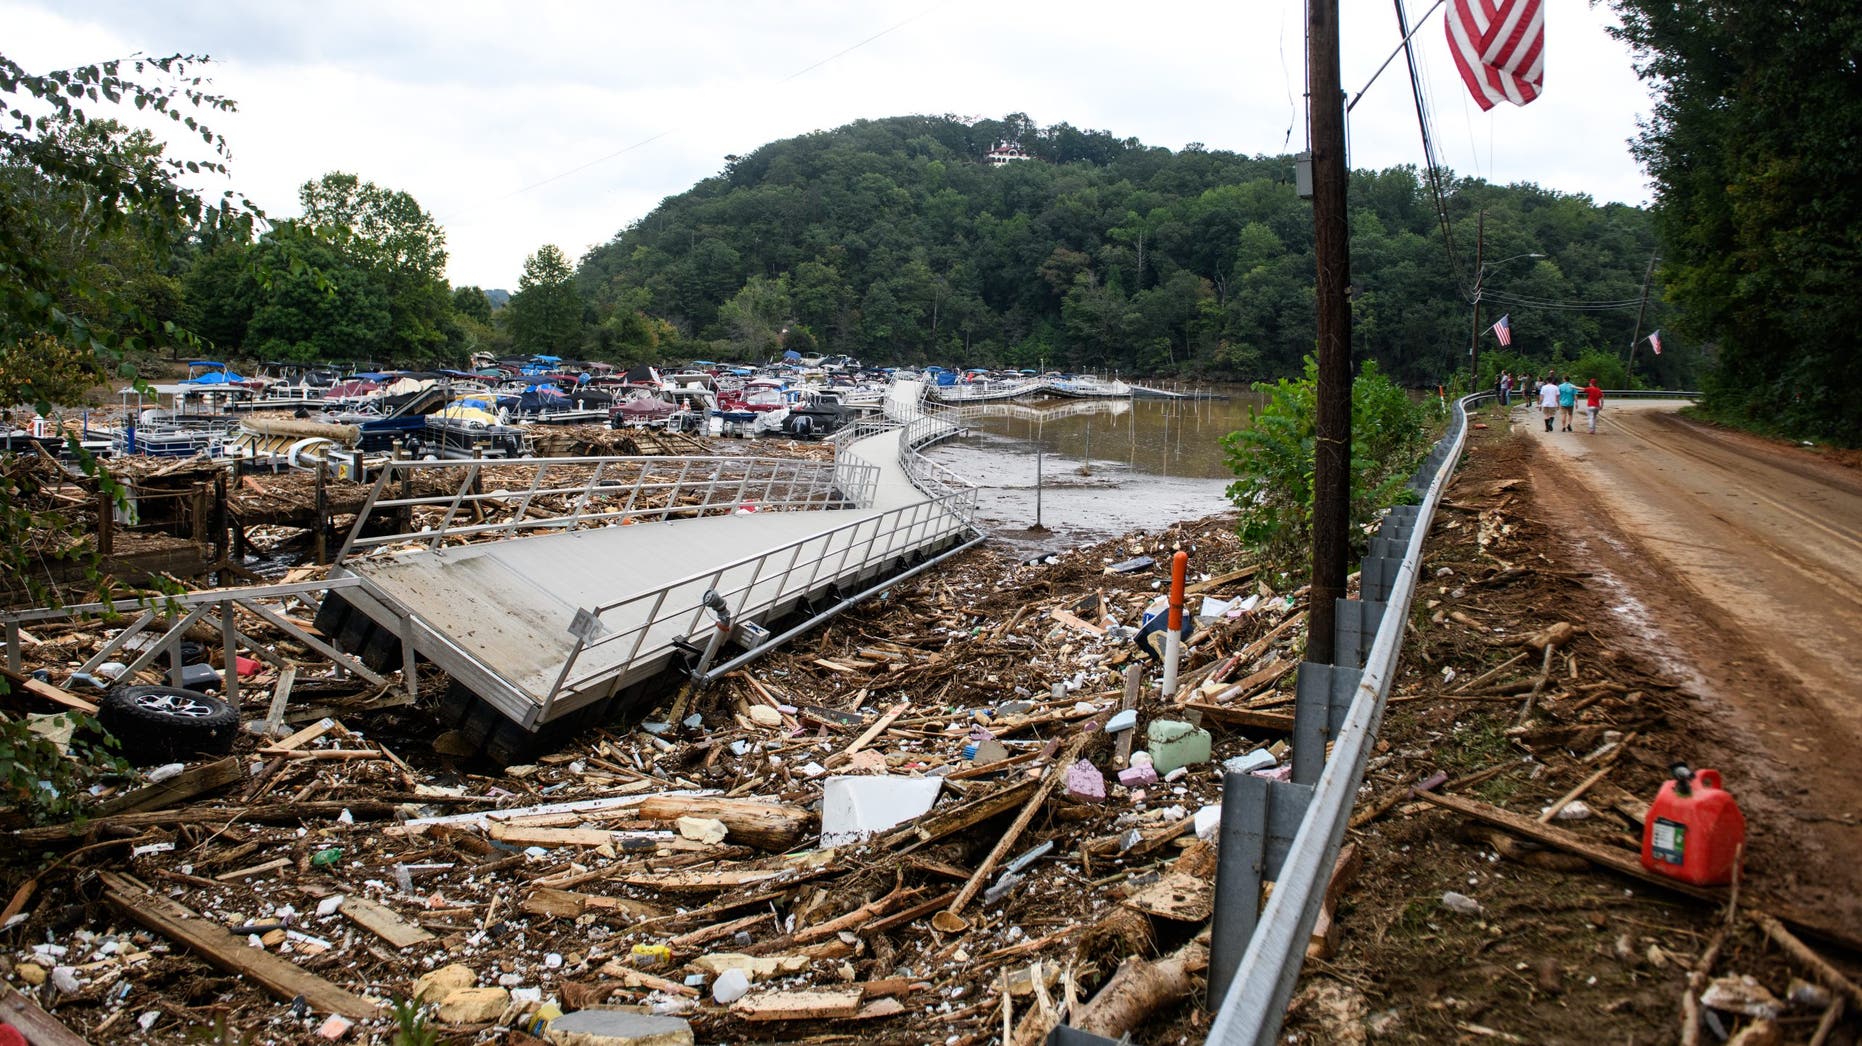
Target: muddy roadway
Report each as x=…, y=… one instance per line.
x=1737, y=562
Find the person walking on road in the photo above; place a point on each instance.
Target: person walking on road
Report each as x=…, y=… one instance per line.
x=1567, y=403
x=1548, y=399
x=1593, y=402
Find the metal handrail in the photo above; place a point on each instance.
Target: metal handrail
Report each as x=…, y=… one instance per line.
x=1256, y=1000
x=802, y=562
x=646, y=488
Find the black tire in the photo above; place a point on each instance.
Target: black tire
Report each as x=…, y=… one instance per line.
x=157, y=724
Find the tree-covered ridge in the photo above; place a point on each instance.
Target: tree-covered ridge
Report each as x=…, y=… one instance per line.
x=894, y=240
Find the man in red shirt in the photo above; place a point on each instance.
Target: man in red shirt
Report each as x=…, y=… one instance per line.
x=1593, y=402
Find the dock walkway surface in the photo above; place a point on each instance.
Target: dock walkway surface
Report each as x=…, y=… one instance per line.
x=502, y=617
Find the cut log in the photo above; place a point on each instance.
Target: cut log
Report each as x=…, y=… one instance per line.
x=767, y=826
x=1140, y=988
x=228, y=952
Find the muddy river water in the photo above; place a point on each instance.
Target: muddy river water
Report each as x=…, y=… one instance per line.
x=1106, y=466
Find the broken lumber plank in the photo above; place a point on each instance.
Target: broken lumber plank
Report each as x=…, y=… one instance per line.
x=46, y=691
x=767, y=826
x=1072, y=620
x=230, y=953
x=799, y=1005
x=257, y=869
x=1625, y=863
x=634, y=978
x=879, y=727
x=1048, y=780
x=1178, y=896
x=1222, y=579
x=185, y=785
x=281, y=696
x=1244, y=717
x=953, y=819
x=383, y=922
x=528, y=835
x=306, y=735
x=40, y=1027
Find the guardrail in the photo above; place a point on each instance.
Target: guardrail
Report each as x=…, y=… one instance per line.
x=1291, y=832
x=601, y=491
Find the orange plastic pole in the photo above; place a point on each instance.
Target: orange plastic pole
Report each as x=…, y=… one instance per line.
x=1173, y=636
x=1179, y=567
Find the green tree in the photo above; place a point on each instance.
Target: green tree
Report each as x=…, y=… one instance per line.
x=545, y=315
x=385, y=232
x=1751, y=151
x=756, y=317
x=471, y=303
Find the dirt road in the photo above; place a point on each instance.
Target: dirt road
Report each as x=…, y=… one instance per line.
x=1737, y=562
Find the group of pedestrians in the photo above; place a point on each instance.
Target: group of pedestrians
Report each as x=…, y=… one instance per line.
x=1558, y=399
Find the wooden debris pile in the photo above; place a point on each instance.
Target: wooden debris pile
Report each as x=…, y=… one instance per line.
x=960, y=813
x=1502, y=817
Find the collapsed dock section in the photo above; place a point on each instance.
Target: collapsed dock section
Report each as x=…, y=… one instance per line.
x=640, y=571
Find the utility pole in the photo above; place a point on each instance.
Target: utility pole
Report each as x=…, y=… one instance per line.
x=1635, y=337
x=1332, y=244
x=1474, y=331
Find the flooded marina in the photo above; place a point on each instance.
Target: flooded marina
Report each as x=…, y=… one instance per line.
x=1106, y=466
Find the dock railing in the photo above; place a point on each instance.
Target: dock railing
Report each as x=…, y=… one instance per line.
x=825, y=563
x=754, y=585
x=599, y=491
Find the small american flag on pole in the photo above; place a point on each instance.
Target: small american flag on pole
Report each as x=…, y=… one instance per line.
x=1504, y=332
x=1655, y=341
x=1499, y=47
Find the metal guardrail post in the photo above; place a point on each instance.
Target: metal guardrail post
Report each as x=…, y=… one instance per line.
x=1259, y=821
x=1321, y=697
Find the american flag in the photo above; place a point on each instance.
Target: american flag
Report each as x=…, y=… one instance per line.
x=1655, y=341
x=1499, y=46
x=1504, y=331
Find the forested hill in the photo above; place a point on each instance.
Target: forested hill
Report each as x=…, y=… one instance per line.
x=896, y=241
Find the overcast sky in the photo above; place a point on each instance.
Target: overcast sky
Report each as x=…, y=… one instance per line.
x=519, y=124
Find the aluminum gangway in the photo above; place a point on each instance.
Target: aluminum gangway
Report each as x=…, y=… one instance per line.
x=547, y=615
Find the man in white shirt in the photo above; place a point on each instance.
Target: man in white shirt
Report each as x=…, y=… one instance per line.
x=1548, y=399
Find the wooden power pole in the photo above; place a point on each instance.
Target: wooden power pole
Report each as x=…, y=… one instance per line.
x=1332, y=243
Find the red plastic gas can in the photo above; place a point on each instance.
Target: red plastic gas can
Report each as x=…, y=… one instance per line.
x=1694, y=829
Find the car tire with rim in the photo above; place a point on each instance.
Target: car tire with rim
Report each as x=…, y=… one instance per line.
x=160, y=723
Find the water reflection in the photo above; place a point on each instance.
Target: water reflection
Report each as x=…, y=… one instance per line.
x=1108, y=465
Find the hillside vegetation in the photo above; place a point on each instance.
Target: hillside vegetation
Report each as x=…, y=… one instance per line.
x=894, y=241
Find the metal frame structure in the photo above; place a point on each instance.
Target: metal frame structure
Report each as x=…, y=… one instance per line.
x=605, y=491
x=613, y=644
x=179, y=613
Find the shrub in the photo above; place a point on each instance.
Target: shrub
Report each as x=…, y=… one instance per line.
x=1273, y=460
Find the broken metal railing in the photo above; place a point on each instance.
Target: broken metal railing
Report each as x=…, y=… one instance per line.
x=602, y=491
x=175, y=615
x=753, y=586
